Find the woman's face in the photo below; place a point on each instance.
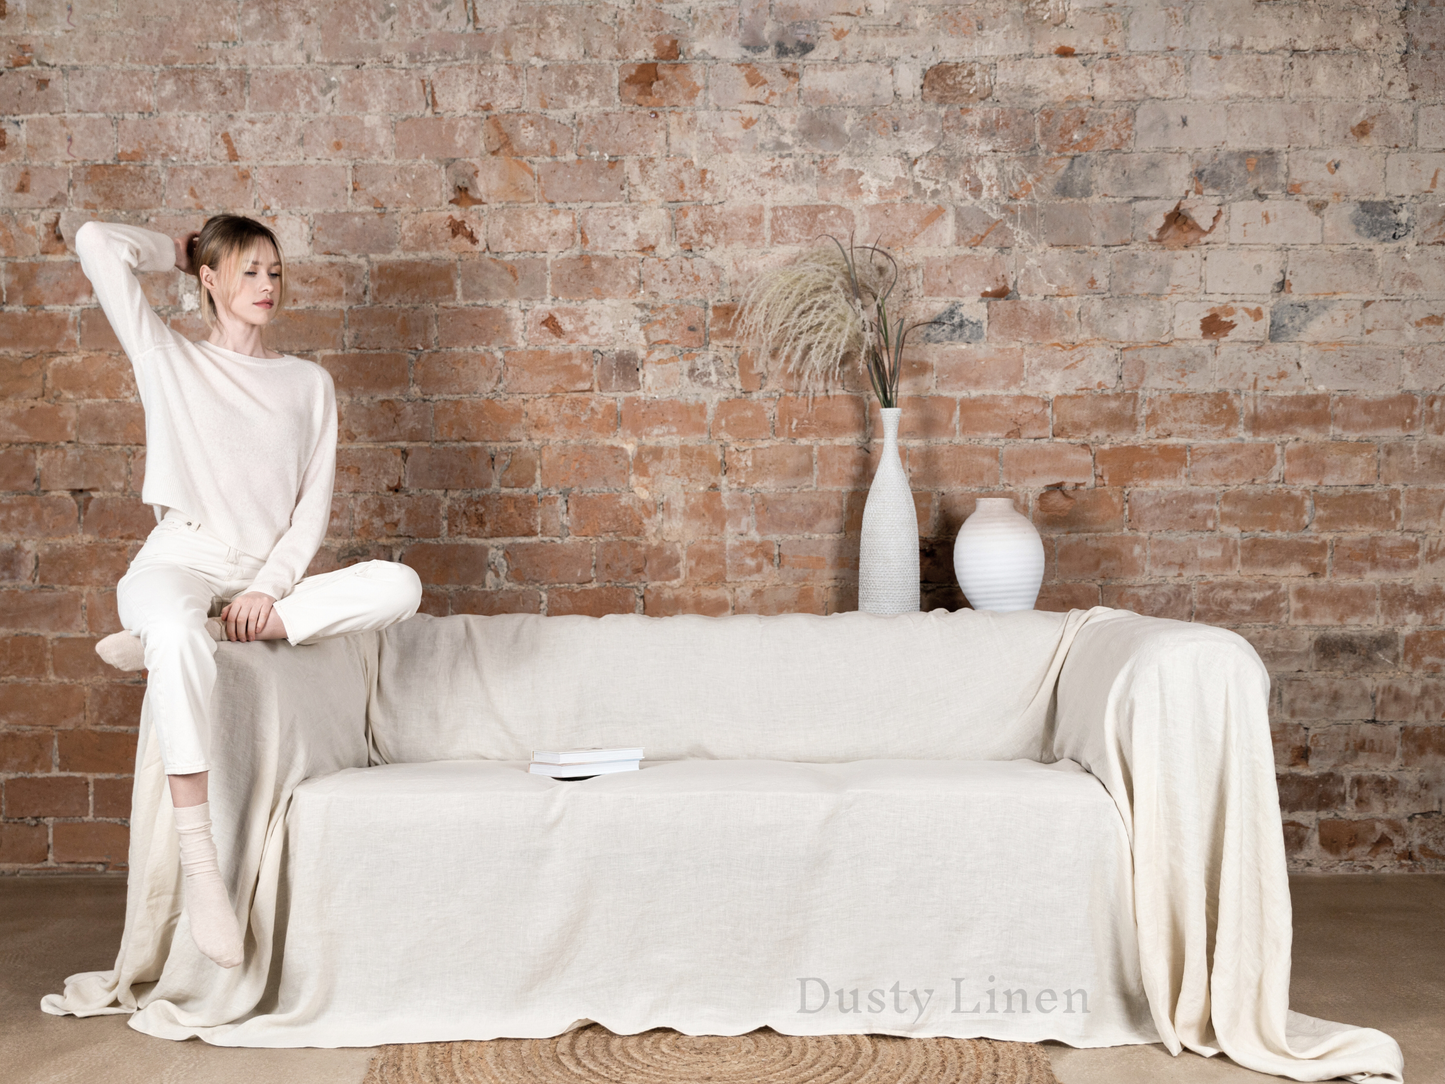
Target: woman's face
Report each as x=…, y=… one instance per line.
x=254, y=287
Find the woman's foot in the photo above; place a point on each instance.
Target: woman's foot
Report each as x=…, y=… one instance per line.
x=213, y=922
x=123, y=650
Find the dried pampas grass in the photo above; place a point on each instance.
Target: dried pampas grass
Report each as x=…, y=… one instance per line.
x=825, y=306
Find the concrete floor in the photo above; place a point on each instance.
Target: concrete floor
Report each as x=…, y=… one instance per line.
x=1368, y=950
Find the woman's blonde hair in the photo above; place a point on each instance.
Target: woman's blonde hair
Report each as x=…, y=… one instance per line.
x=225, y=241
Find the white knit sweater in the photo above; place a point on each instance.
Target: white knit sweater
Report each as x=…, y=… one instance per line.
x=245, y=445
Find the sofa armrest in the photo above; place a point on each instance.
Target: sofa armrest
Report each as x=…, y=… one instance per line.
x=1173, y=719
x=279, y=715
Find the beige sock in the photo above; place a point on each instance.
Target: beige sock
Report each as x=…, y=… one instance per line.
x=123, y=650
x=213, y=922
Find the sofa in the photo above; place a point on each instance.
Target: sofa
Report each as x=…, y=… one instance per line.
x=1022, y=826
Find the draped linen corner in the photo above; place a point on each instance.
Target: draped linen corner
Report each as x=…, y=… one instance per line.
x=1119, y=762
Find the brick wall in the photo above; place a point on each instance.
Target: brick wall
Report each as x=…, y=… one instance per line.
x=1187, y=259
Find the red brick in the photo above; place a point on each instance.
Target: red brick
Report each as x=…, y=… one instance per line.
x=1011, y=417
x=1283, y=556
x=1141, y=464
x=570, y=417
x=1263, y=510
x=478, y=419
x=1241, y=602
x=702, y=227
x=590, y=277
x=41, y=610
x=448, y=562
x=42, y=423
x=378, y=328
x=585, y=466
x=675, y=325
x=413, y=282
x=448, y=468
x=781, y=599
x=677, y=466
x=1311, y=792
x=1362, y=510
x=658, y=85
x=96, y=564
x=1339, y=463
x=1047, y=464
x=549, y=562
x=1375, y=556
x=1424, y=651
x=1193, y=414
x=37, y=282
x=26, y=751
x=1096, y=416
x=491, y=279
x=1033, y=321
x=376, y=420
x=1370, y=839
x=91, y=841
x=113, y=705
x=665, y=601
x=1193, y=555
x=1173, y=510
x=547, y=371
x=111, y=798
x=368, y=374
x=592, y=601
x=23, y=844
x=118, y=187
x=652, y=419
x=47, y=796
x=18, y=470
x=1358, y=415
x=1100, y=557
x=100, y=751
x=804, y=512
x=496, y=602
x=582, y=181
x=38, y=517
x=707, y=515
x=772, y=466
x=741, y=419
x=591, y=514
x=638, y=562
x=930, y=466
x=1288, y=415
x=1232, y=464
x=1333, y=603
x=1173, y=601
x=806, y=225
x=365, y=469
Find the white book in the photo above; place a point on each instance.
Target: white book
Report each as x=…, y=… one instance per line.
x=584, y=756
x=582, y=771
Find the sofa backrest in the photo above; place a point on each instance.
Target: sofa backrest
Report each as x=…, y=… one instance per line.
x=961, y=685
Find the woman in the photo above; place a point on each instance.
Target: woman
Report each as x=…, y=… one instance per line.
x=240, y=459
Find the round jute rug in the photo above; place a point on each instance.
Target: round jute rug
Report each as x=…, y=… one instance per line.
x=593, y=1055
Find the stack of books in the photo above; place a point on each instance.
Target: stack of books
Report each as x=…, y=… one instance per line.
x=584, y=763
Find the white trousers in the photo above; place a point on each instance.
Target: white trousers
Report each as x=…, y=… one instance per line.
x=184, y=573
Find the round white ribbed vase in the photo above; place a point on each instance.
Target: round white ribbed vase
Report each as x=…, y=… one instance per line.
x=999, y=557
x=888, y=574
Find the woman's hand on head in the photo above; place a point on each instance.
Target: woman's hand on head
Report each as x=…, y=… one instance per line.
x=184, y=247
x=246, y=615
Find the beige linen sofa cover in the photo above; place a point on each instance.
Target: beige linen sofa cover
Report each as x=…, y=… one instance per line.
x=1170, y=718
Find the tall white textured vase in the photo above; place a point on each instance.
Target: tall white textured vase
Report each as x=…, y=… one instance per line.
x=999, y=557
x=888, y=573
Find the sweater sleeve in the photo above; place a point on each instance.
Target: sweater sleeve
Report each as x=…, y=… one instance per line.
x=110, y=255
x=312, y=515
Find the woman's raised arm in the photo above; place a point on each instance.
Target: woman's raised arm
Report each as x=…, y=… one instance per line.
x=110, y=255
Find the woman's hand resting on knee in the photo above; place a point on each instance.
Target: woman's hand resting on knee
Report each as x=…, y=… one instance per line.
x=251, y=617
